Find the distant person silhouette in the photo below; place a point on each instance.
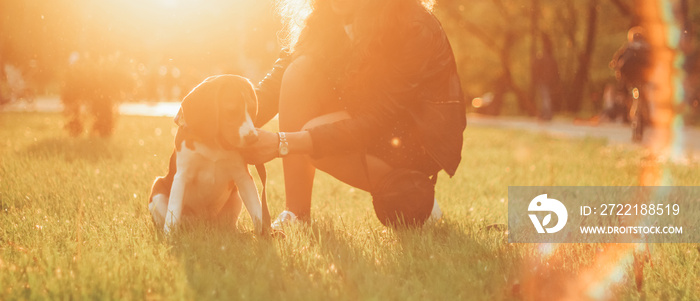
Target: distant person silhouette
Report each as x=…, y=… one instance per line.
x=631, y=63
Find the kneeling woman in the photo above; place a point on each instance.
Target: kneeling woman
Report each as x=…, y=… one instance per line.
x=368, y=93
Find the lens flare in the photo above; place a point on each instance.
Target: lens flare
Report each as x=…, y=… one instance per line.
x=665, y=94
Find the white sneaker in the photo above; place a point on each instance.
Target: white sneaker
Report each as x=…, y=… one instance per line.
x=436, y=214
x=284, y=219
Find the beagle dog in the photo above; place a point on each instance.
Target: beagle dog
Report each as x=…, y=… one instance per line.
x=207, y=176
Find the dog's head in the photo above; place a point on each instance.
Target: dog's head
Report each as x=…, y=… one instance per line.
x=220, y=110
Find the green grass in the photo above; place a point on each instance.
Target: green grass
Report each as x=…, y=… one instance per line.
x=74, y=225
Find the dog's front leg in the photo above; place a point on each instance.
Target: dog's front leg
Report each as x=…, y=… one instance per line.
x=249, y=194
x=177, y=193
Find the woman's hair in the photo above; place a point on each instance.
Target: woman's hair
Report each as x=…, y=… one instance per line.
x=311, y=27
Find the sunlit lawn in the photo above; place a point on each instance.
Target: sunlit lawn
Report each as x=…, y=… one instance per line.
x=74, y=225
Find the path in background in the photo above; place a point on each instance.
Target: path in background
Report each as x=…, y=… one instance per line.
x=53, y=104
x=615, y=133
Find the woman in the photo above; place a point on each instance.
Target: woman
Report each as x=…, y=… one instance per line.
x=369, y=87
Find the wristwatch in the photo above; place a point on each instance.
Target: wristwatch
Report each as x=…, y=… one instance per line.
x=283, y=148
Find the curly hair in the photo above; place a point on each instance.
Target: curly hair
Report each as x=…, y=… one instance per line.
x=311, y=27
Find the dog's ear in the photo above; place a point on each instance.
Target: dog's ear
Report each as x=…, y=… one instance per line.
x=200, y=110
x=179, y=118
x=251, y=99
x=236, y=99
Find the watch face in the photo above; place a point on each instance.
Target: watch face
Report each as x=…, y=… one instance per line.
x=284, y=150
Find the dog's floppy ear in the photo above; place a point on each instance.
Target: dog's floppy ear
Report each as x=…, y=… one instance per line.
x=200, y=110
x=179, y=118
x=251, y=100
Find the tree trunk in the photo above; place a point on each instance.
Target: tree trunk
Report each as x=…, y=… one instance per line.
x=534, y=29
x=525, y=103
x=3, y=78
x=623, y=8
x=503, y=51
x=581, y=77
x=687, y=27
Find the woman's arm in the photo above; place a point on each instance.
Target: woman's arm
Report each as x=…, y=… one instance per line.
x=267, y=146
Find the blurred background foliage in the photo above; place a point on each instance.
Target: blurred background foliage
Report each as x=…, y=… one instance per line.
x=164, y=47
x=184, y=40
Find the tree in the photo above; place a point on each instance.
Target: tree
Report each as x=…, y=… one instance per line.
x=502, y=40
x=511, y=33
x=581, y=76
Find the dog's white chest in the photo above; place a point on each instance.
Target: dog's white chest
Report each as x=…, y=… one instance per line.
x=209, y=175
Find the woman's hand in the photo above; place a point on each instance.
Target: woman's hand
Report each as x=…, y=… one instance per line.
x=262, y=151
x=267, y=146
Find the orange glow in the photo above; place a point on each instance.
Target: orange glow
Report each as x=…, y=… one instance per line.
x=477, y=102
x=168, y=3
x=195, y=38
x=593, y=282
x=613, y=261
x=661, y=77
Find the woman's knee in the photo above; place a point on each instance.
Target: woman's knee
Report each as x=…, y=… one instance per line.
x=304, y=77
x=300, y=86
x=300, y=68
x=304, y=95
x=326, y=119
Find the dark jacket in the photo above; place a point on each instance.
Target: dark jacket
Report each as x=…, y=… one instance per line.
x=421, y=83
x=632, y=60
